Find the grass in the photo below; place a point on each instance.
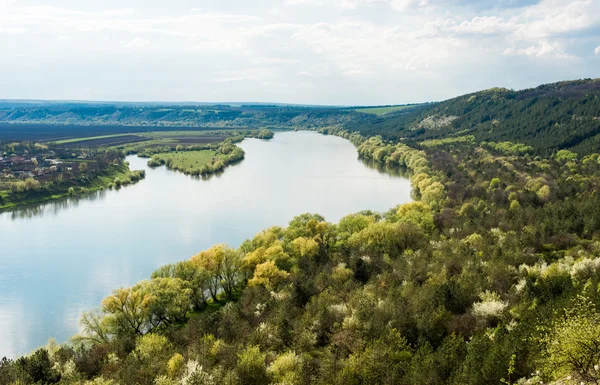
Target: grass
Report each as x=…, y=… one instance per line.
x=153, y=135
x=170, y=134
x=381, y=110
x=75, y=140
x=184, y=160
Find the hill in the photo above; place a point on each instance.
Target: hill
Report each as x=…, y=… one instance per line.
x=551, y=117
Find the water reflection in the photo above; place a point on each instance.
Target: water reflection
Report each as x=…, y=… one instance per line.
x=385, y=168
x=63, y=257
x=55, y=206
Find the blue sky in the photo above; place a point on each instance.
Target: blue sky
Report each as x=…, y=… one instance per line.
x=295, y=51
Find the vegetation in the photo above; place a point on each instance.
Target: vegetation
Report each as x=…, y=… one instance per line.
x=75, y=140
x=31, y=191
x=383, y=110
x=548, y=118
x=491, y=276
x=34, y=172
x=183, y=160
x=202, y=159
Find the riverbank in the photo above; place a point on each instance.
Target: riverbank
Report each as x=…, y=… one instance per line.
x=204, y=160
x=112, y=177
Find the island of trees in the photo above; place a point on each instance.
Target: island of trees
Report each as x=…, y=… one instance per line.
x=203, y=160
x=491, y=276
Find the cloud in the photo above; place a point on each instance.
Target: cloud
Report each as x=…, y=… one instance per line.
x=397, y=5
x=12, y=30
x=555, y=18
x=543, y=49
x=137, y=42
x=597, y=50
x=334, y=50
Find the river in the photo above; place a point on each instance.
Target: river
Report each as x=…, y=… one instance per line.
x=61, y=258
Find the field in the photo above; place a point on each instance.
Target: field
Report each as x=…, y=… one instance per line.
x=383, y=110
x=77, y=140
x=102, y=141
x=73, y=132
x=184, y=160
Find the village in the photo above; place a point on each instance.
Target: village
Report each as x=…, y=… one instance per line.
x=21, y=161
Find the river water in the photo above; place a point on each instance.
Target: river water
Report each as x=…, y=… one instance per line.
x=60, y=259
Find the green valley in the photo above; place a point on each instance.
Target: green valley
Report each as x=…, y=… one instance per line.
x=490, y=276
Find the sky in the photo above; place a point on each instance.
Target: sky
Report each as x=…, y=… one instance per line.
x=336, y=52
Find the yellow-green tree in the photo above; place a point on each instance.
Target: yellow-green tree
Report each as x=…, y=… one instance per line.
x=222, y=265
x=127, y=310
x=573, y=344
x=268, y=275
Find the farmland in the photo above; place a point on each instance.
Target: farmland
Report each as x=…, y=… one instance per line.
x=59, y=132
x=383, y=110
x=103, y=141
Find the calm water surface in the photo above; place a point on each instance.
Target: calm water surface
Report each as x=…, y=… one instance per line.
x=60, y=259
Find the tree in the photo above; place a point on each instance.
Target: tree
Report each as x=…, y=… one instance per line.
x=39, y=368
x=223, y=265
x=168, y=300
x=128, y=311
x=305, y=247
x=387, y=238
x=268, y=275
x=95, y=328
x=251, y=367
x=196, y=276
x=573, y=343
x=286, y=369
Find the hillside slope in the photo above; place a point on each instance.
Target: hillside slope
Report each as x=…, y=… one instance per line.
x=551, y=117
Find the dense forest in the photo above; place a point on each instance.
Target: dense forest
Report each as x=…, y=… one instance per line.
x=549, y=118
x=491, y=276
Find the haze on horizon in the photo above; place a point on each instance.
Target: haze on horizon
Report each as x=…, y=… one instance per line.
x=331, y=52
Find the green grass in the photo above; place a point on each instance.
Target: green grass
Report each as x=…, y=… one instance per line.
x=381, y=110
x=188, y=159
x=75, y=140
x=170, y=134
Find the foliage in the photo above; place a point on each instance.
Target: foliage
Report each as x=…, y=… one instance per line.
x=491, y=276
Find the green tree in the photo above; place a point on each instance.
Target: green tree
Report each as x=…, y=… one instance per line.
x=251, y=367
x=573, y=343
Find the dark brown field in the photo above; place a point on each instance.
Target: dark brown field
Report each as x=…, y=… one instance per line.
x=114, y=141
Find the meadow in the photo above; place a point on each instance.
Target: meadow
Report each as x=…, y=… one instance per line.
x=382, y=110
x=187, y=159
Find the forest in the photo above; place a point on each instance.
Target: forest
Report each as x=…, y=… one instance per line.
x=491, y=275
x=551, y=117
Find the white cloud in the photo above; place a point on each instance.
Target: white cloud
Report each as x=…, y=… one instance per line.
x=328, y=51
x=137, y=42
x=597, y=50
x=12, y=30
x=543, y=49
x=397, y=5
x=551, y=18
x=486, y=25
